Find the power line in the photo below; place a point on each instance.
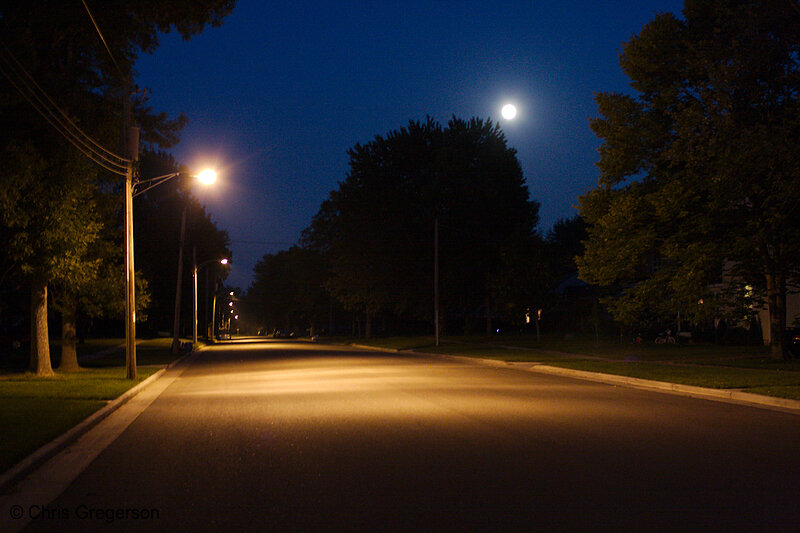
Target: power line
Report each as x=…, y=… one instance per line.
x=102, y=38
x=26, y=85
x=264, y=242
x=88, y=138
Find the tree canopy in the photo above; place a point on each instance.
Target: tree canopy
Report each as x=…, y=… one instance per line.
x=288, y=291
x=51, y=54
x=698, y=168
x=377, y=228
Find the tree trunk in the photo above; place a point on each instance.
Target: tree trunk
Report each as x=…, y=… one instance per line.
x=69, y=354
x=368, y=325
x=776, y=303
x=40, y=342
x=488, y=315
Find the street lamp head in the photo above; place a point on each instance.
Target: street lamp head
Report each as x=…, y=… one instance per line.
x=207, y=177
x=223, y=261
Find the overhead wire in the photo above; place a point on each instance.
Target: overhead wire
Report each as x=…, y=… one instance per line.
x=96, y=27
x=65, y=132
x=16, y=74
x=55, y=106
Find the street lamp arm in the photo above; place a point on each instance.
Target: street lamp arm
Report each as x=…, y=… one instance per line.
x=223, y=261
x=206, y=177
x=154, y=182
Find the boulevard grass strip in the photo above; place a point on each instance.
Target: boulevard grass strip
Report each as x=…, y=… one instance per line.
x=36, y=410
x=450, y=347
x=746, y=368
x=148, y=352
x=770, y=382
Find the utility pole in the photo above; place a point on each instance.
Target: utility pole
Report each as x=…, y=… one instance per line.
x=194, y=297
x=131, y=138
x=436, y=278
x=177, y=317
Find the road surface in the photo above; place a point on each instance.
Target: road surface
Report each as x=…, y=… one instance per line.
x=287, y=436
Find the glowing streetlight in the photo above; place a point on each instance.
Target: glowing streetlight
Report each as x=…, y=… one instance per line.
x=195, y=268
x=130, y=305
x=207, y=177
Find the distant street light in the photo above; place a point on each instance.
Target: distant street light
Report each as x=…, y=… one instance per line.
x=130, y=296
x=195, y=269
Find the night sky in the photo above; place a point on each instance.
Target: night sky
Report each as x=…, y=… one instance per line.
x=277, y=95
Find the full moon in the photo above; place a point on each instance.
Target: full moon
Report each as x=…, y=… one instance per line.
x=509, y=111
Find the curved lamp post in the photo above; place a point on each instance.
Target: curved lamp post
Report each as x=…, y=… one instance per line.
x=206, y=177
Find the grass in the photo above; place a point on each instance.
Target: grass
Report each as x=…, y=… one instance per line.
x=38, y=409
x=747, y=368
x=149, y=352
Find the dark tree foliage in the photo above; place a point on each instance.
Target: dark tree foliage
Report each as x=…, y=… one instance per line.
x=377, y=228
x=565, y=242
x=56, y=44
x=699, y=169
x=288, y=291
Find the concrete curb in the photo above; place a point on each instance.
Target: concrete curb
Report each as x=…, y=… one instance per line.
x=378, y=348
x=720, y=395
x=44, y=453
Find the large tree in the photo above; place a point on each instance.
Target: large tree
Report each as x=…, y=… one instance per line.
x=699, y=167
x=52, y=48
x=377, y=229
x=288, y=291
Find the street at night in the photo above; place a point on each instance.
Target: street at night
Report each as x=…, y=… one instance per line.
x=418, y=266
x=270, y=435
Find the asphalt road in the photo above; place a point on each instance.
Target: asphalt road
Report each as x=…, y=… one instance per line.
x=289, y=436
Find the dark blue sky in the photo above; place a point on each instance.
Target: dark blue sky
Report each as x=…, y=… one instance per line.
x=277, y=95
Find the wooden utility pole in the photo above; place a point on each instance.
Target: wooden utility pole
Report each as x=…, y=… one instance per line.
x=436, y=278
x=176, y=341
x=131, y=137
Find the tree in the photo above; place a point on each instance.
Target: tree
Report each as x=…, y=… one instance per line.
x=51, y=225
x=288, y=290
x=698, y=169
x=565, y=243
x=377, y=229
x=59, y=50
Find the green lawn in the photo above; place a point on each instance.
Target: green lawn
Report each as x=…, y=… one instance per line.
x=35, y=410
x=748, y=368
